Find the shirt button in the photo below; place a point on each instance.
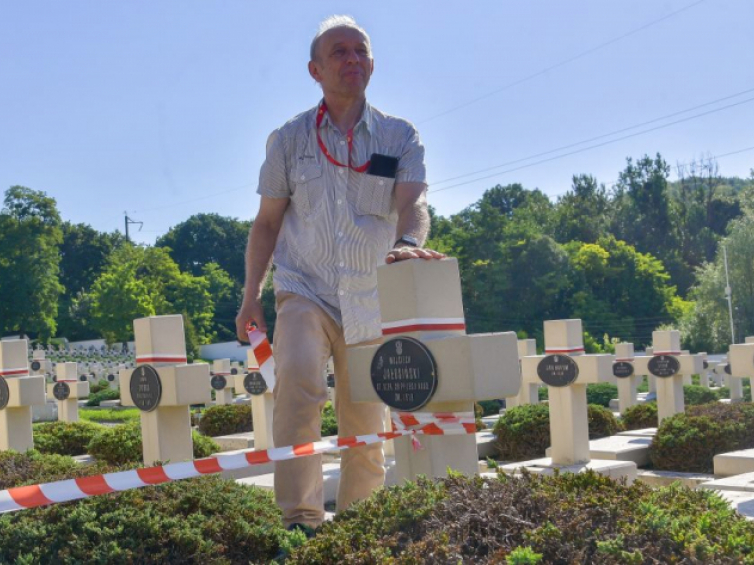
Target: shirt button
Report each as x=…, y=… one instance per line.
x=341, y=292
x=342, y=142
x=303, y=177
x=381, y=182
x=341, y=171
x=342, y=263
x=340, y=202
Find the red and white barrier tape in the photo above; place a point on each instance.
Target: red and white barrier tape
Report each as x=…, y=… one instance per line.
x=19, y=498
x=263, y=353
x=157, y=358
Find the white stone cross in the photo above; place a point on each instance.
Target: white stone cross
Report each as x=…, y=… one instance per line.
x=427, y=363
x=18, y=393
x=67, y=390
x=741, y=358
x=163, y=387
x=566, y=371
x=255, y=385
x=529, y=392
x=220, y=381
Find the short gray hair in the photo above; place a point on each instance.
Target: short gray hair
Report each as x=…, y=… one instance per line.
x=332, y=22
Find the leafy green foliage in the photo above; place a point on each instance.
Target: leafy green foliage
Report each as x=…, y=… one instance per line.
x=32, y=467
x=694, y=395
x=226, y=419
x=104, y=394
x=122, y=444
x=601, y=393
x=100, y=385
x=329, y=422
x=688, y=442
x=640, y=416
x=64, y=438
x=206, y=520
x=523, y=432
x=109, y=415
x=584, y=518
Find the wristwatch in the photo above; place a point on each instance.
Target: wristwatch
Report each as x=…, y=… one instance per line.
x=409, y=240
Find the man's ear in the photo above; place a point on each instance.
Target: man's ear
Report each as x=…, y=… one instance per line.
x=314, y=71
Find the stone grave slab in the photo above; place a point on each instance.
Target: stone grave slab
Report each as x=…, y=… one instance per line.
x=743, y=482
x=614, y=469
x=619, y=448
x=734, y=463
x=741, y=502
x=667, y=478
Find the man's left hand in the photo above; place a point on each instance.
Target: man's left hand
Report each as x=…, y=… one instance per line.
x=407, y=252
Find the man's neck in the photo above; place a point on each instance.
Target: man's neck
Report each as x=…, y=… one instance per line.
x=344, y=112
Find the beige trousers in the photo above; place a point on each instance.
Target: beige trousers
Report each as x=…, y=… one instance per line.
x=305, y=337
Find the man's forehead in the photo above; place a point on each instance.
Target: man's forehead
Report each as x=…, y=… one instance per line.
x=343, y=35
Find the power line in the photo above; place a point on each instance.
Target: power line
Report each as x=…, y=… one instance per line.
x=593, y=146
x=561, y=63
x=589, y=140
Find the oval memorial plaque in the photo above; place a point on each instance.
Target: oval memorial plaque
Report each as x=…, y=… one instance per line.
x=664, y=366
x=4, y=393
x=82, y=378
x=705, y=365
x=254, y=383
x=111, y=378
x=145, y=388
x=727, y=369
x=61, y=391
x=558, y=370
x=36, y=365
x=218, y=382
x=234, y=371
x=404, y=374
x=622, y=369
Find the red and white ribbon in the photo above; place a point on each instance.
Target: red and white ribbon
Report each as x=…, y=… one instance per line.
x=19, y=498
x=263, y=353
x=160, y=358
x=564, y=350
x=423, y=325
x=20, y=372
x=625, y=360
x=656, y=353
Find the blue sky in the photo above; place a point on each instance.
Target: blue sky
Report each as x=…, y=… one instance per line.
x=162, y=108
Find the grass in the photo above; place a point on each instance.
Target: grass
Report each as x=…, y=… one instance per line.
x=109, y=415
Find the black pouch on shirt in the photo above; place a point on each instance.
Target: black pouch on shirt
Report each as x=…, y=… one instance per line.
x=382, y=166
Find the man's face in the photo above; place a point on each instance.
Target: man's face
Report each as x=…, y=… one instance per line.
x=343, y=63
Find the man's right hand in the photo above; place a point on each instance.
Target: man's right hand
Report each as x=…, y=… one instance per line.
x=253, y=312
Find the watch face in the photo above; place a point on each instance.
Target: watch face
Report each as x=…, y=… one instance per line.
x=407, y=239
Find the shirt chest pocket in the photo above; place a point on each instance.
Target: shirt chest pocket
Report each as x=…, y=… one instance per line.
x=309, y=192
x=373, y=195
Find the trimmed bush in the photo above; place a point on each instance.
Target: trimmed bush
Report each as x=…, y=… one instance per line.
x=205, y=520
x=489, y=407
x=99, y=386
x=695, y=395
x=107, y=394
x=571, y=518
x=640, y=416
x=329, y=423
x=122, y=444
x=688, y=442
x=32, y=467
x=64, y=438
x=523, y=432
x=601, y=394
x=226, y=419
x=109, y=414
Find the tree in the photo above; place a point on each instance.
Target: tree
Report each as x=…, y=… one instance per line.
x=208, y=238
x=30, y=234
x=582, y=213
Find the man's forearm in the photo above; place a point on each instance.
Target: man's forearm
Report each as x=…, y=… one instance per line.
x=413, y=220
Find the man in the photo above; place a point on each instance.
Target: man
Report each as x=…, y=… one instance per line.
x=333, y=206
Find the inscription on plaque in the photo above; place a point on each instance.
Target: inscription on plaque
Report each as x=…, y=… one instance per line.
x=218, y=382
x=622, y=370
x=254, y=383
x=4, y=393
x=558, y=370
x=36, y=365
x=727, y=369
x=664, y=366
x=61, y=390
x=145, y=388
x=404, y=374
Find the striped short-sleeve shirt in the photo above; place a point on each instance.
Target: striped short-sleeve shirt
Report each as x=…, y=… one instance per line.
x=340, y=223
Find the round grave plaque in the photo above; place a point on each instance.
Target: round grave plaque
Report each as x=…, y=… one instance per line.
x=622, y=369
x=4, y=393
x=61, y=391
x=254, y=383
x=234, y=371
x=36, y=365
x=218, y=382
x=54, y=378
x=82, y=378
x=705, y=365
x=404, y=374
x=727, y=369
x=558, y=370
x=145, y=388
x=663, y=366
x=111, y=378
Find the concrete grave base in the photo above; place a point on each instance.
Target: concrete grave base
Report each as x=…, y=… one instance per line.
x=741, y=502
x=47, y=412
x=743, y=483
x=667, y=478
x=619, y=448
x=734, y=463
x=646, y=432
x=613, y=469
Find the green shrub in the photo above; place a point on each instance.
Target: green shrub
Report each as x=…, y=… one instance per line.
x=122, y=444
x=110, y=414
x=64, y=438
x=601, y=394
x=694, y=395
x=329, y=423
x=107, y=394
x=571, y=518
x=205, y=520
x=523, y=432
x=640, y=416
x=688, y=442
x=99, y=386
x=32, y=467
x=226, y=419
x=489, y=407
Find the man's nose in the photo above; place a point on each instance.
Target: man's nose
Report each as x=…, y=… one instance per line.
x=353, y=56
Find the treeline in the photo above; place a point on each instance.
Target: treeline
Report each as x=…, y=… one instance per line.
x=627, y=260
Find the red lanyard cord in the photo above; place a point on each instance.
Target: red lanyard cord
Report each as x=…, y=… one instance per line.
x=349, y=138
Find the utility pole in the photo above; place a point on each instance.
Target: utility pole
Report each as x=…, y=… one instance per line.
x=130, y=221
x=728, y=296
